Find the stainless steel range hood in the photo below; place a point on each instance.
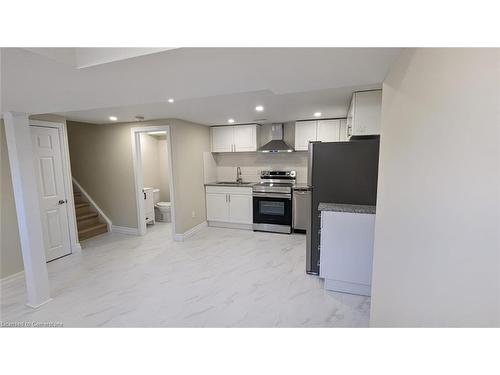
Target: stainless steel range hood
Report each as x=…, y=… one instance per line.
x=277, y=144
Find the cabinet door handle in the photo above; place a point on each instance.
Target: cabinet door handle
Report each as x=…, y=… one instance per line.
x=144, y=195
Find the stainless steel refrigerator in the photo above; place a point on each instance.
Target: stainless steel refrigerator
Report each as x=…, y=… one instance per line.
x=339, y=172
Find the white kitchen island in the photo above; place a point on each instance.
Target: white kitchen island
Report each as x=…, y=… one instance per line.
x=346, y=252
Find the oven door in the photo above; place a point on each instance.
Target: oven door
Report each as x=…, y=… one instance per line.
x=272, y=209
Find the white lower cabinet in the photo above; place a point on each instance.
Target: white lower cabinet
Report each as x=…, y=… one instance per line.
x=240, y=209
x=217, y=207
x=346, y=251
x=229, y=206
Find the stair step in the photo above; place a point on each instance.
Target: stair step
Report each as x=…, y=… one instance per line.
x=82, y=208
x=83, y=224
x=86, y=216
x=92, y=230
x=79, y=200
x=77, y=194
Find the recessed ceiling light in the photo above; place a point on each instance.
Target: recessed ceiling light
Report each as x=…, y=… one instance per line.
x=230, y=120
x=317, y=114
x=171, y=100
x=259, y=108
x=113, y=118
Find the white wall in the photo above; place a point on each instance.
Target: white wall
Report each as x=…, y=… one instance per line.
x=436, y=256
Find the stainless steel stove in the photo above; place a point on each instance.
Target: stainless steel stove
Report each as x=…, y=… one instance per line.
x=272, y=201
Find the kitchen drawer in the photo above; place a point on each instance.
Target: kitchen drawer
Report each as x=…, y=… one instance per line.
x=241, y=190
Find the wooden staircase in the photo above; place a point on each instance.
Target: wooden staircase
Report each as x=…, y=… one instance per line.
x=87, y=220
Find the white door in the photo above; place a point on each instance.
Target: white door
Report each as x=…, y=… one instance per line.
x=240, y=209
x=51, y=190
x=245, y=138
x=328, y=130
x=217, y=206
x=305, y=131
x=222, y=139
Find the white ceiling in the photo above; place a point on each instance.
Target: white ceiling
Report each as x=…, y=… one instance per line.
x=209, y=84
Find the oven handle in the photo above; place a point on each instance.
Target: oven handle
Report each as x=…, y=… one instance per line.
x=271, y=195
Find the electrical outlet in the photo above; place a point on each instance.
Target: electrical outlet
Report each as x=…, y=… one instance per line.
x=193, y=214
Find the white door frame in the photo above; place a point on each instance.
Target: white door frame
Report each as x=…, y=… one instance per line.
x=68, y=181
x=138, y=173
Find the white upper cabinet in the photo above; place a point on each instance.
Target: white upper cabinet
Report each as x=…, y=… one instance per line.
x=328, y=130
x=245, y=138
x=305, y=131
x=320, y=130
x=364, y=113
x=222, y=138
x=241, y=138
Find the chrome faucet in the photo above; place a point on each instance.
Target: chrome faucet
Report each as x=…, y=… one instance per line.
x=239, y=180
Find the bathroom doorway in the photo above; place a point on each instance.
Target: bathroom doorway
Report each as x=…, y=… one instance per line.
x=153, y=178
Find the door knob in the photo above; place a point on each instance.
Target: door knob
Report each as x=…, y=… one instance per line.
x=62, y=201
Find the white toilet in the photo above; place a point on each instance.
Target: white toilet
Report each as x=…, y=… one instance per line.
x=162, y=209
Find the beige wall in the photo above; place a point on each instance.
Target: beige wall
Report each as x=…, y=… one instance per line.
x=150, y=156
x=436, y=256
x=101, y=161
x=155, y=164
x=11, y=260
x=164, y=176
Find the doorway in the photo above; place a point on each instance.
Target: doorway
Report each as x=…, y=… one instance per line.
x=52, y=172
x=154, y=187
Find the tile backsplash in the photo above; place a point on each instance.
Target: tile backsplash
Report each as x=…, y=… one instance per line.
x=251, y=163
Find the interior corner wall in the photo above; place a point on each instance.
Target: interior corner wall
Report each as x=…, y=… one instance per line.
x=437, y=245
x=11, y=260
x=101, y=161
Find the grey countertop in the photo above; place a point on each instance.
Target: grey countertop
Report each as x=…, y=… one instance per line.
x=301, y=186
x=244, y=184
x=353, y=208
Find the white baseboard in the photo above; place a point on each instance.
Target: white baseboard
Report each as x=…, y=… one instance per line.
x=39, y=305
x=124, y=230
x=12, y=277
x=76, y=248
x=190, y=233
x=223, y=224
x=93, y=204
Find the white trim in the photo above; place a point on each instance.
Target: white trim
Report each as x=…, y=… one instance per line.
x=12, y=277
x=191, y=232
x=124, y=230
x=138, y=176
x=93, y=204
x=68, y=187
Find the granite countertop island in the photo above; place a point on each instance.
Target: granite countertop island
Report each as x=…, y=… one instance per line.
x=352, y=208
